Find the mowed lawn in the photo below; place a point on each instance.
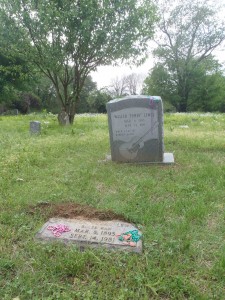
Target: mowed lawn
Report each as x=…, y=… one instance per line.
x=180, y=209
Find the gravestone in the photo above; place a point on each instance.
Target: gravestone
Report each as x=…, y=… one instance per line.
x=63, y=118
x=15, y=112
x=12, y=112
x=35, y=127
x=136, y=130
x=89, y=233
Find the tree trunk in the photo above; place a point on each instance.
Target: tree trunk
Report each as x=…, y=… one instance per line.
x=184, y=95
x=73, y=108
x=71, y=112
x=68, y=113
x=183, y=106
x=71, y=119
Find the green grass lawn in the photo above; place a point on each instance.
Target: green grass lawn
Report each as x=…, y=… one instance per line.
x=180, y=208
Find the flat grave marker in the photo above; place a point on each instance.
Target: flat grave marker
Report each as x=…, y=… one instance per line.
x=90, y=233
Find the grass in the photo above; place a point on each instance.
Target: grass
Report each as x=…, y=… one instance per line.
x=181, y=210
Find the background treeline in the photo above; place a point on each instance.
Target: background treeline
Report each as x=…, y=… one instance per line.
x=25, y=89
x=206, y=86
x=43, y=67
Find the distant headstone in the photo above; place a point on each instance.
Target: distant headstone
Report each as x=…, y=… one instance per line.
x=63, y=118
x=35, y=127
x=15, y=112
x=12, y=112
x=90, y=233
x=136, y=130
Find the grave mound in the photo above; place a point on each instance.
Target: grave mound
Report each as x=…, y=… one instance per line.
x=72, y=210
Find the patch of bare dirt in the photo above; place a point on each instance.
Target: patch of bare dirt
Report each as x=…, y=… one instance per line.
x=73, y=210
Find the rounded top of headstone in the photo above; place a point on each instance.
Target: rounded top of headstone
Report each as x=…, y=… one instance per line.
x=137, y=97
x=36, y=122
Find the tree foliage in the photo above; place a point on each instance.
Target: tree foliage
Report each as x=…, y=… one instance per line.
x=209, y=92
x=92, y=99
x=68, y=39
x=89, y=87
x=45, y=90
x=15, y=79
x=97, y=101
x=14, y=73
x=189, y=32
x=26, y=102
x=207, y=82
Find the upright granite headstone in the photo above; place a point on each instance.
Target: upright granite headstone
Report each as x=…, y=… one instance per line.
x=136, y=130
x=35, y=127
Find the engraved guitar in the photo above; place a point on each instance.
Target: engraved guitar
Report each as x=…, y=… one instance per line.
x=129, y=150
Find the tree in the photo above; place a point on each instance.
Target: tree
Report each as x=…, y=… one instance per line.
x=44, y=89
x=118, y=87
x=160, y=82
x=68, y=39
x=15, y=77
x=134, y=82
x=25, y=102
x=97, y=101
x=89, y=87
x=14, y=73
x=125, y=85
x=209, y=92
x=189, y=32
x=207, y=81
